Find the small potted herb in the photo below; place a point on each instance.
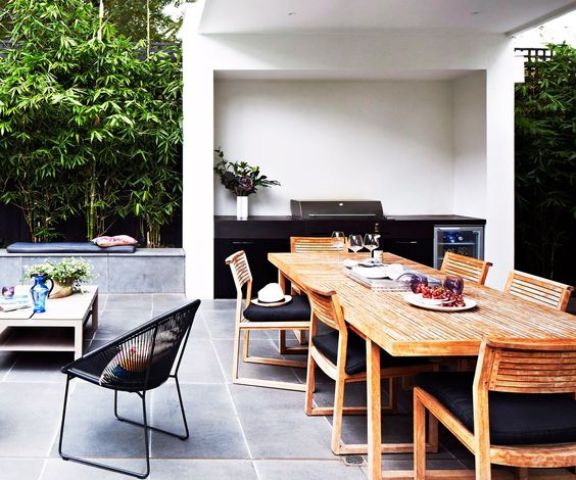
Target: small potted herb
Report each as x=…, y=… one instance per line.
x=242, y=179
x=66, y=274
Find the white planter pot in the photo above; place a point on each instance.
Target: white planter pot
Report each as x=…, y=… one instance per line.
x=241, y=208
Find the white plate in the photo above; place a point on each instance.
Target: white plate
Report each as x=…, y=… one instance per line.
x=429, y=304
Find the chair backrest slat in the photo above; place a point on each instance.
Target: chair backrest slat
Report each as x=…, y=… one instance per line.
x=539, y=290
x=241, y=273
x=547, y=366
x=471, y=269
x=326, y=308
x=312, y=244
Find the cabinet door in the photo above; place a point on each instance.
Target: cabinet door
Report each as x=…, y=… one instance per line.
x=420, y=250
x=263, y=272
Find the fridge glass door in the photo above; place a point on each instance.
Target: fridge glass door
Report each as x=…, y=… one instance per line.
x=461, y=240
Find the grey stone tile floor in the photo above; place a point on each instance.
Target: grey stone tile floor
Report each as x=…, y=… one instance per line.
x=237, y=432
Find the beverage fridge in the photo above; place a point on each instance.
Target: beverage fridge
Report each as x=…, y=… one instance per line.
x=466, y=240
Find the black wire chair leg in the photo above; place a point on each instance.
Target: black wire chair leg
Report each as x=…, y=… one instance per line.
x=104, y=466
x=156, y=429
x=63, y=418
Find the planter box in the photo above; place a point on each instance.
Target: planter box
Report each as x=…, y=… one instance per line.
x=148, y=270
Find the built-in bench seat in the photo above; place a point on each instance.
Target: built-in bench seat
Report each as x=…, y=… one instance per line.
x=146, y=270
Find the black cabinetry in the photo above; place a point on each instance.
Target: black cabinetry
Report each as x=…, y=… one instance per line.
x=256, y=251
x=410, y=237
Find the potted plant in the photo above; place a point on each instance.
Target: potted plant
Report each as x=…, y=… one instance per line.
x=242, y=179
x=66, y=274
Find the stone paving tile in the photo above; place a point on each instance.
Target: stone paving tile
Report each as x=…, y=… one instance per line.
x=215, y=431
x=199, y=329
x=276, y=426
x=200, y=363
x=99, y=433
x=224, y=349
x=162, y=302
x=117, y=301
x=218, y=304
x=220, y=324
x=307, y=470
x=203, y=469
x=21, y=468
x=58, y=469
x=30, y=414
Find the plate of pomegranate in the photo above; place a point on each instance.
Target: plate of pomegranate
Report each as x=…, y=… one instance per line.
x=439, y=298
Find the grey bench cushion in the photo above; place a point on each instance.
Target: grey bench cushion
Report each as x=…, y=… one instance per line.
x=66, y=247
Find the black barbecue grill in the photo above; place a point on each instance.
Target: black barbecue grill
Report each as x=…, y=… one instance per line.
x=327, y=209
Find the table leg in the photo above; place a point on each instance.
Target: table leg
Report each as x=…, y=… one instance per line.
x=78, y=340
x=374, y=413
x=94, y=313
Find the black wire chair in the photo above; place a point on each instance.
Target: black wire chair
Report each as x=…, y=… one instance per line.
x=138, y=361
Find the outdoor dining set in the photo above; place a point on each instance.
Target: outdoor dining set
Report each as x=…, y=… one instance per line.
x=495, y=368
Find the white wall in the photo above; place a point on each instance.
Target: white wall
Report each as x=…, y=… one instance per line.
x=384, y=140
x=362, y=55
x=469, y=137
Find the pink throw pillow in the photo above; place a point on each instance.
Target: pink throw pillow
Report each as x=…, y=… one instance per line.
x=114, y=241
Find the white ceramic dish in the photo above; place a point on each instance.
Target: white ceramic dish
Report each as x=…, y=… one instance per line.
x=436, y=305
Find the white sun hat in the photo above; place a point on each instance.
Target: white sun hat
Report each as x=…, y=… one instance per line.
x=272, y=295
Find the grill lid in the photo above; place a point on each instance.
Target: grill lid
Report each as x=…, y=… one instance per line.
x=317, y=209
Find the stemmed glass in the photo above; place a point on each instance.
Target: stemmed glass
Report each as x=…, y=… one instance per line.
x=371, y=242
x=355, y=243
x=338, y=240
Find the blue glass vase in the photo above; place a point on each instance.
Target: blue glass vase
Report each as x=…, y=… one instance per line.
x=40, y=292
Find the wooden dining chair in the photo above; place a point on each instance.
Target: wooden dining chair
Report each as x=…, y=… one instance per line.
x=341, y=355
x=299, y=245
x=294, y=315
x=312, y=244
x=514, y=411
x=539, y=290
x=471, y=269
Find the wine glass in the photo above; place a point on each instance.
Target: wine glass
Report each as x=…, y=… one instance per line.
x=338, y=240
x=371, y=242
x=355, y=243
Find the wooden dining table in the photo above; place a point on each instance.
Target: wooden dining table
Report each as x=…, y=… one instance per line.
x=387, y=321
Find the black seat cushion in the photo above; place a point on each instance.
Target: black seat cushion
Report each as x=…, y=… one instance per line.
x=297, y=309
x=327, y=345
x=515, y=419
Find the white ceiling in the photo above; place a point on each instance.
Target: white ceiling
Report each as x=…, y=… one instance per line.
x=305, y=16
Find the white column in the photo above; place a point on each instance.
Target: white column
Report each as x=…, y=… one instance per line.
x=198, y=176
x=500, y=167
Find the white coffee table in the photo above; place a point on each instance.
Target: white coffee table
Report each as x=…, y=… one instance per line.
x=59, y=329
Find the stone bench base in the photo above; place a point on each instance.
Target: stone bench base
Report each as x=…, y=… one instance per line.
x=148, y=270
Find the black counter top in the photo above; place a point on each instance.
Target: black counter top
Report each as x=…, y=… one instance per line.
x=399, y=218
x=436, y=218
x=400, y=226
